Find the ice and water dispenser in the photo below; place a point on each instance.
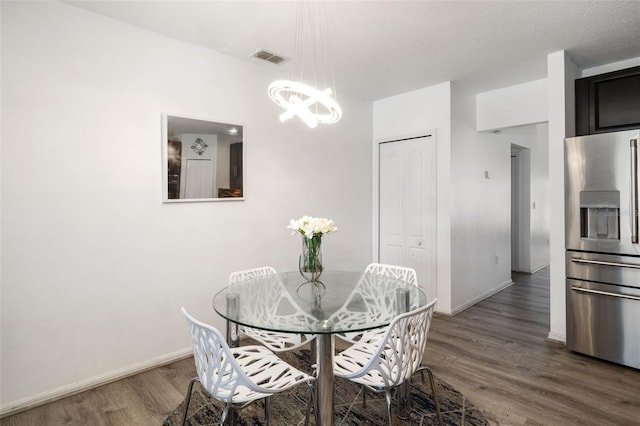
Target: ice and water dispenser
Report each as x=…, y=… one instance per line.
x=600, y=215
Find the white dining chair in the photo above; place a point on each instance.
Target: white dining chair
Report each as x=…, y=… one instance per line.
x=277, y=342
x=237, y=376
x=381, y=364
x=365, y=292
x=400, y=272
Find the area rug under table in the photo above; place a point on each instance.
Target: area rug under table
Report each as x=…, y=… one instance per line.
x=289, y=408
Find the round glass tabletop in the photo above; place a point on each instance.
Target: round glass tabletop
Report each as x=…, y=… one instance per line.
x=337, y=302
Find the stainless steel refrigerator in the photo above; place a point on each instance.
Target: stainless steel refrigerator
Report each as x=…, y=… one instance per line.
x=603, y=249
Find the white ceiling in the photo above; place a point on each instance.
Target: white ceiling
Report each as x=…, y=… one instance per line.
x=383, y=48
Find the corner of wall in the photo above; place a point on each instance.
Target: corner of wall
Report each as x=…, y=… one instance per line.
x=561, y=74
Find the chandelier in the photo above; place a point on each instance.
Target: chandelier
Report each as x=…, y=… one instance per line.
x=315, y=103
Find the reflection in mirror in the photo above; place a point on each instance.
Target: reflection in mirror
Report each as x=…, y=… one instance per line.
x=203, y=160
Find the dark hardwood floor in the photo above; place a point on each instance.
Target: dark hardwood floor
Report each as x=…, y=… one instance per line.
x=495, y=353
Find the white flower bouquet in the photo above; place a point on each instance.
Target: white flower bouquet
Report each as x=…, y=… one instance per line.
x=312, y=226
x=311, y=229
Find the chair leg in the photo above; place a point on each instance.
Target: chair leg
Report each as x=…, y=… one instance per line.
x=435, y=395
x=403, y=400
x=364, y=396
x=225, y=413
x=310, y=402
x=267, y=409
x=387, y=394
x=312, y=350
x=188, y=399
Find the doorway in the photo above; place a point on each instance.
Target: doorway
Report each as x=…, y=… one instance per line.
x=520, y=214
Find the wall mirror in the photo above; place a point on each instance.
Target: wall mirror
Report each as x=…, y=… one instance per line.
x=203, y=160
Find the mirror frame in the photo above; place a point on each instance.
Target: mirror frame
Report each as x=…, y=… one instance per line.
x=165, y=159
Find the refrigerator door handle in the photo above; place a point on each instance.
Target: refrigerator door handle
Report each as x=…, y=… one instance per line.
x=605, y=263
x=605, y=293
x=634, y=191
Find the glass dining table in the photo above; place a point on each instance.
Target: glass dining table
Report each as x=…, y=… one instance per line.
x=336, y=302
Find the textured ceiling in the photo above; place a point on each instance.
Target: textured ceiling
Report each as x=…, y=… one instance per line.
x=383, y=48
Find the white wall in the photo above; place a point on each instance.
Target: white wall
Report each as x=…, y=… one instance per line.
x=411, y=114
x=481, y=207
x=515, y=110
x=534, y=137
x=561, y=74
x=540, y=217
x=473, y=212
x=512, y=106
x=94, y=266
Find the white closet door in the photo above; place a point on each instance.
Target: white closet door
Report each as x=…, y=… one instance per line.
x=198, y=179
x=408, y=207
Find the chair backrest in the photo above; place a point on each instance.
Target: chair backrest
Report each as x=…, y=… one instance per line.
x=374, y=298
x=217, y=369
x=236, y=276
x=393, y=271
x=270, y=300
x=400, y=351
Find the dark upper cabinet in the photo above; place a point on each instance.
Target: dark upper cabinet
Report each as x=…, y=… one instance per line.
x=608, y=102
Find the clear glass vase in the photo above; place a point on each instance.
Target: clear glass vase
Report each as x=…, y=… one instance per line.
x=311, y=257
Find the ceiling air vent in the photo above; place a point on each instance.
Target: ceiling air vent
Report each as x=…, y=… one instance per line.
x=268, y=56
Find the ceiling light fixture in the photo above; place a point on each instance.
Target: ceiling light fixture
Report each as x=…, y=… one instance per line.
x=296, y=97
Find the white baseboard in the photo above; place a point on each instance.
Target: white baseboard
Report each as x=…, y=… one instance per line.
x=539, y=267
x=556, y=337
x=533, y=269
x=475, y=300
x=90, y=383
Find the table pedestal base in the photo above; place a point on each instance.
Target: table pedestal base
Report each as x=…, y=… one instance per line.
x=324, y=380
